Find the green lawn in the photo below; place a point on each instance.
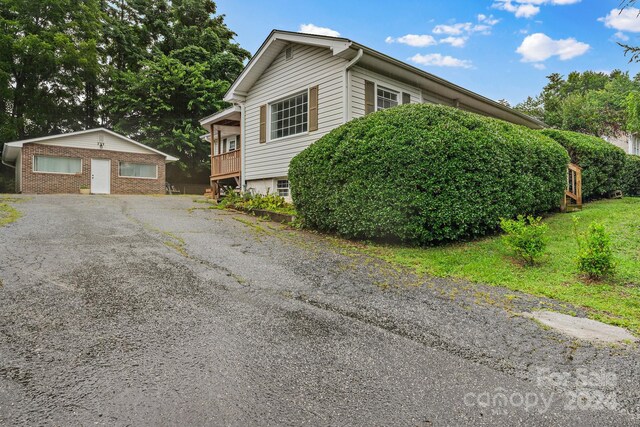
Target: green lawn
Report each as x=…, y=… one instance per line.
x=615, y=301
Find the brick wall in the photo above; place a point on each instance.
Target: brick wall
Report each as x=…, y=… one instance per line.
x=47, y=183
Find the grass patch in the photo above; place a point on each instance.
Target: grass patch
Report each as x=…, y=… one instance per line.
x=8, y=214
x=615, y=300
x=250, y=224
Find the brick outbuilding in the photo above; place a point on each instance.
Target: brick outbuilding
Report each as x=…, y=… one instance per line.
x=98, y=159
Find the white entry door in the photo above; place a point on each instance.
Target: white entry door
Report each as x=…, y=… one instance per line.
x=100, y=176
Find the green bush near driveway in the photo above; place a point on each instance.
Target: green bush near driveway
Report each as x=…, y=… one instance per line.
x=602, y=163
x=424, y=174
x=631, y=176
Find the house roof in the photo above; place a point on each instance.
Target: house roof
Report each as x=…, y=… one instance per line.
x=231, y=114
x=12, y=149
x=445, y=91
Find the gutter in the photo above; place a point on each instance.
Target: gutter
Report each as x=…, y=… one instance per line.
x=7, y=164
x=346, y=104
x=450, y=85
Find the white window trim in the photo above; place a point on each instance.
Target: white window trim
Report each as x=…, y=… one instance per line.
x=233, y=138
x=33, y=165
x=288, y=186
x=136, y=177
x=634, y=145
x=389, y=88
x=282, y=98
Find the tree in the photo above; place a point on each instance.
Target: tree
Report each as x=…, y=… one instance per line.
x=633, y=51
x=532, y=107
x=49, y=68
x=551, y=97
x=47, y=57
x=633, y=112
x=190, y=64
x=591, y=102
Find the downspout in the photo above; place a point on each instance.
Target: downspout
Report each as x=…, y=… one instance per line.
x=243, y=148
x=346, y=104
x=7, y=164
x=18, y=190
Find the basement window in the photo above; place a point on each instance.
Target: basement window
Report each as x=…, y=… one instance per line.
x=283, y=187
x=65, y=165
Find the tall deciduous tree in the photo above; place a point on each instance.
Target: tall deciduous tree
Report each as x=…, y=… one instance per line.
x=590, y=102
x=190, y=62
x=48, y=62
x=49, y=67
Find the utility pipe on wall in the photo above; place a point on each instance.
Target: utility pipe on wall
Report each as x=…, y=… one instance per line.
x=346, y=105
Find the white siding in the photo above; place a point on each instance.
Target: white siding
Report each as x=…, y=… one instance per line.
x=359, y=75
x=90, y=140
x=264, y=186
x=623, y=141
x=309, y=66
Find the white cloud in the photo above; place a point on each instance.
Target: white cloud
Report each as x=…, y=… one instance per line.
x=455, y=35
x=539, y=66
x=528, y=8
x=622, y=36
x=454, y=41
x=520, y=10
x=438, y=60
x=321, y=31
x=453, y=30
x=489, y=20
x=540, y=47
x=625, y=20
x=458, y=34
x=415, y=40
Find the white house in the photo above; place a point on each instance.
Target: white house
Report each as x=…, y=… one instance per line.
x=630, y=143
x=298, y=87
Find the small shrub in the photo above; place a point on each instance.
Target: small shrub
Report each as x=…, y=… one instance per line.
x=602, y=163
x=251, y=202
x=268, y=202
x=595, y=257
x=425, y=174
x=631, y=185
x=525, y=236
x=231, y=198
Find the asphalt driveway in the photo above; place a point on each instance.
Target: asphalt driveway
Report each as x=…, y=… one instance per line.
x=139, y=310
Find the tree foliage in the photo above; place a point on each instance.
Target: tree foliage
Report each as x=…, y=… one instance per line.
x=180, y=76
x=632, y=51
x=48, y=64
x=591, y=102
x=147, y=68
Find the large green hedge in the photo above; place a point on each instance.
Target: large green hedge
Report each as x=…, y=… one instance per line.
x=602, y=163
x=631, y=176
x=425, y=173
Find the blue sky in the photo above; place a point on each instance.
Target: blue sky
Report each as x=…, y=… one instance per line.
x=498, y=48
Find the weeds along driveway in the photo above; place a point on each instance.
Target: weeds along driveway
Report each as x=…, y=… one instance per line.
x=158, y=311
